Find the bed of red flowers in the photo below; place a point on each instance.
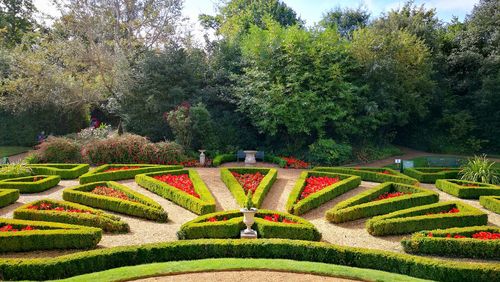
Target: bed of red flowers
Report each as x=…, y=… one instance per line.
x=10, y=228
x=111, y=192
x=249, y=181
x=34, y=179
x=292, y=162
x=317, y=183
x=179, y=181
x=388, y=195
x=386, y=172
x=215, y=219
x=453, y=210
x=277, y=218
x=483, y=235
x=470, y=185
x=50, y=207
x=111, y=169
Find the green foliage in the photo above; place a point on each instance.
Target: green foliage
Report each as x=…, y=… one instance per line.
x=345, y=20
x=100, y=174
x=431, y=174
x=16, y=19
x=491, y=203
x=59, y=150
x=268, y=158
x=8, y=197
x=179, y=121
x=467, y=189
x=28, y=185
x=7, y=151
x=14, y=170
x=249, y=202
x=480, y=169
x=224, y=158
x=65, y=171
x=328, y=152
x=372, y=174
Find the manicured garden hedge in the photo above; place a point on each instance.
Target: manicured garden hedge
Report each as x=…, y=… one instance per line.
x=203, y=205
x=231, y=227
x=65, y=171
x=457, y=188
x=4, y=176
x=97, y=260
x=431, y=174
x=237, y=190
x=96, y=218
x=27, y=185
x=491, y=203
x=435, y=242
x=365, y=204
x=47, y=236
x=426, y=218
x=372, y=174
x=8, y=196
x=224, y=158
x=298, y=207
x=143, y=207
x=99, y=173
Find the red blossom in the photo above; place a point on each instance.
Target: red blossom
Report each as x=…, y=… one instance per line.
x=453, y=210
x=179, y=181
x=111, y=192
x=386, y=172
x=249, y=181
x=49, y=207
x=317, y=183
x=483, y=235
x=277, y=218
x=292, y=162
x=111, y=169
x=10, y=228
x=388, y=195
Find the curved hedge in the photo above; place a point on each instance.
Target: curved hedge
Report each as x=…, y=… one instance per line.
x=47, y=236
x=143, y=207
x=373, y=174
x=457, y=188
x=97, y=260
x=298, y=207
x=426, y=218
x=237, y=190
x=439, y=244
x=231, y=227
x=431, y=174
x=27, y=185
x=491, y=203
x=95, y=218
x=8, y=196
x=65, y=171
x=4, y=176
x=203, y=205
x=365, y=204
x=99, y=173
x=224, y=158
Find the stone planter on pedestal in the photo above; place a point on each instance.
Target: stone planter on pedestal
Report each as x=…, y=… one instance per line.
x=202, y=157
x=248, y=219
x=250, y=157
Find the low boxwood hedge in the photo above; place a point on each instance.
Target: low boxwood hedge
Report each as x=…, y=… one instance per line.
x=373, y=174
x=89, y=217
x=46, y=236
x=237, y=190
x=103, y=259
x=459, y=188
x=4, y=176
x=228, y=224
x=441, y=242
x=297, y=207
x=100, y=174
x=203, y=205
x=142, y=207
x=31, y=184
x=491, y=203
x=433, y=216
x=365, y=204
x=65, y=171
x=8, y=196
x=431, y=174
x=224, y=158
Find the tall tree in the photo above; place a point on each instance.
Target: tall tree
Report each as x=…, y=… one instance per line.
x=16, y=19
x=345, y=20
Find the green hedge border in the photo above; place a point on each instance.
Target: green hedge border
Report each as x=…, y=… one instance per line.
x=491, y=203
x=200, y=228
x=416, y=219
x=99, y=219
x=372, y=174
x=144, y=207
x=363, y=204
x=50, y=236
x=224, y=158
x=438, y=244
x=431, y=174
x=65, y=171
x=98, y=260
x=346, y=183
x=453, y=187
x=48, y=182
x=237, y=190
x=203, y=205
x=5, y=176
x=8, y=196
x=98, y=173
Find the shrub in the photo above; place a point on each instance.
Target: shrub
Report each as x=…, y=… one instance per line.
x=89, y=217
x=491, y=203
x=298, y=207
x=328, y=152
x=441, y=242
x=8, y=197
x=31, y=184
x=268, y=158
x=425, y=218
x=100, y=174
x=65, y=171
x=474, y=190
x=203, y=205
x=14, y=171
x=480, y=169
x=431, y=174
x=237, y=190
x=47, y=236
x=364, y=204
x=230, y=223
x=59, y=150
x=372, y=174
x=224, y=158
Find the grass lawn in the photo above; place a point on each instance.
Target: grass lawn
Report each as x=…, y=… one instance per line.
x=7, y=151
x=208, y=265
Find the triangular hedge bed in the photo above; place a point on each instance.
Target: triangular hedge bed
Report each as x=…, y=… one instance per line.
x=368, y=204
x=31, y=184
x=431, y=174
x=46, y=236
x=122, y=171
x=491, y=203
x=65, y=171
x=372, y=174
x=228, y=224
x=87, y=217
x=433, y=216
x=270, y=175
x=8, y=196
x=202, y=205
x=467, y=189
x=135, y=204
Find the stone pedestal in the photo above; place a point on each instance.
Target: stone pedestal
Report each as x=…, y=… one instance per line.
x=250, y=157
x=248, y=219
x=248, y=235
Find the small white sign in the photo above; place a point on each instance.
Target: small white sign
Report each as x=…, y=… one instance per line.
x=397, y=161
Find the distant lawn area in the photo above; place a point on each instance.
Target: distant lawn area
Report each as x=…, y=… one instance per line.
x=422, y=161
x=7, y=151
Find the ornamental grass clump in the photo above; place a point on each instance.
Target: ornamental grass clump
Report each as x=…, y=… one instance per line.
x=479, y=169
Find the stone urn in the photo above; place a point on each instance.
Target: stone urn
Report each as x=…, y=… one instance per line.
x=248, y=219
x=202, y=157
x=250, y=157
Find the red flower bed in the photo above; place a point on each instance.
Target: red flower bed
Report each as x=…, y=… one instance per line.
x=470, y=185
x=10, y=228
x=121, y=168
x=483, y=235
x=277, y=218
x=388, y=195
x=51, y=207
x=292, y=162
x=180, y=181
x=249, y=181
x=453, y=210
x=215, y=219
x=111, y=192
x=317, y=183
x=386, y=172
